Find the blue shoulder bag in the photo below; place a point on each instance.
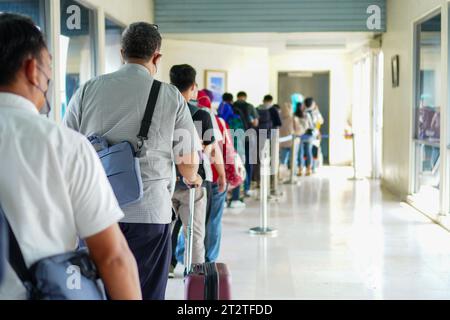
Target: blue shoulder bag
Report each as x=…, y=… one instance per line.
x=68, y=276
x=121, y=162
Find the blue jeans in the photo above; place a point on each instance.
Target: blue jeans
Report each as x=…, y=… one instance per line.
x=285, y=156
x=248, y=179
x=306, y=148
x=214, y=225
x=179, y=252
x=236, y=194
x=248, y=167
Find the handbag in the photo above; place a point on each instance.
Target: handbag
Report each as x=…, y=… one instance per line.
x=68, y=276
x=234, y=167
x=121, y=162
x=235, y=172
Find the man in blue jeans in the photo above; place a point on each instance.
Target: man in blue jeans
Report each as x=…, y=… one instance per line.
x=214, y=225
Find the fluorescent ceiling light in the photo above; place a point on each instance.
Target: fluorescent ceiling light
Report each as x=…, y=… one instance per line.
x=300, y=74
x=315, y=46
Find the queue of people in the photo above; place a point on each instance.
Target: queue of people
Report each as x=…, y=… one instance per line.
x=54, y=191
x=304, y=123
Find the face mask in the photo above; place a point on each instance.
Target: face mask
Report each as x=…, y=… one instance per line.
x=46, y=109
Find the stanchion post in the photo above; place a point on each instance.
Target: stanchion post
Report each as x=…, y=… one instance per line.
x=292, y=179
x=263, y=229
x=355, y=167
x=275, y=148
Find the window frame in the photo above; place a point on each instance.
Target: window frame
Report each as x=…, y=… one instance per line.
x=416, y=145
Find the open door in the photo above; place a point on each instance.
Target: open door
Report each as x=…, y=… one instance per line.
x=310, y=84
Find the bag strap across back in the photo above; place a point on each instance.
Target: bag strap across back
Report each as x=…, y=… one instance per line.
x=16, y=259
x=149, y=112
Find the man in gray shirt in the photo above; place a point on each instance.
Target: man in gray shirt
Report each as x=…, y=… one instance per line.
x=113, y=106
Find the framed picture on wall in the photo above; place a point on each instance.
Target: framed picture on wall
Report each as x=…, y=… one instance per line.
x=395, y=71
x=216, y=81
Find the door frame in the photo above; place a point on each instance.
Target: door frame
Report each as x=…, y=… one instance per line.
x=314, y=72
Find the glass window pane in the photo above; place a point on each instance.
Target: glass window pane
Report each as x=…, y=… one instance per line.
x=35, y=9
x=427, y=114
x=78, y=48
x=113, y=36
x=428, y=171
x=429, y=81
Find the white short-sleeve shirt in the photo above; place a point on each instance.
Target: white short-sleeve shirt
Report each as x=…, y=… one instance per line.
x=53, y=188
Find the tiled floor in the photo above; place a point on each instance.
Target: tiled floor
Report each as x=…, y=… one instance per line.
x=338, y=239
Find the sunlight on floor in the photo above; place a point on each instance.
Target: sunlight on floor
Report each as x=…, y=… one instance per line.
x=338, y=239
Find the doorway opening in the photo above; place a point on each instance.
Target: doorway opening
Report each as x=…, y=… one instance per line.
x=310, y=84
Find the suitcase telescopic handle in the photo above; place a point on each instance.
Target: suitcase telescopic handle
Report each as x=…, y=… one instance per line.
x=190, y=230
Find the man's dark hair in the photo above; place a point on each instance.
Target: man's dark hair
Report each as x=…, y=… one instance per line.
x=299, y=111
x=228, y=97
x=140, y=40
x=20, y=39
x=182, y=76
x=309, y=102
x=242, y=94
x=268, y=98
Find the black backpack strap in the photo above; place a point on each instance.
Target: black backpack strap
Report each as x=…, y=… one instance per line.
x=16, y=259
x=193, y=109
x=149, y=111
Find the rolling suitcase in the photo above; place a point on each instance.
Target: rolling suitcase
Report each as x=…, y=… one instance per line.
x=208, y=281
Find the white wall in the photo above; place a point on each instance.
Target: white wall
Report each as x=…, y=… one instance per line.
x=398, y=102
x=340, y=67
x=247, y=67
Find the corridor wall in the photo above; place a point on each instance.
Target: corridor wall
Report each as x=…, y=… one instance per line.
x=398, y=102
x=247, y=67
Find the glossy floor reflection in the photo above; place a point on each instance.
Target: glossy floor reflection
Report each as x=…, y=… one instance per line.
x=338, y=239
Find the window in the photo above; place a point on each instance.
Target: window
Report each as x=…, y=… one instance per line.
x=427, y=113
x=78, y=48
x=113, y=35
x=35, y=9
x=38, y=11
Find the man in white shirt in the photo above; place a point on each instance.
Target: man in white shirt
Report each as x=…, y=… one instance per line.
x=53, y=188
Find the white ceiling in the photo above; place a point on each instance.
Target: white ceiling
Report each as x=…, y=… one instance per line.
x=336, y=41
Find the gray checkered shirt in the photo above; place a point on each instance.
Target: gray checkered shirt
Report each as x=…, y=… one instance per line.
x=113, y=106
